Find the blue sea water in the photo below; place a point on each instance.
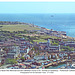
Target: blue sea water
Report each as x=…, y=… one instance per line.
x=57, y=67
x=59, y=22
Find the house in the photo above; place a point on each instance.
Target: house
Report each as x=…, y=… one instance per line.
x=53, y=49
x=13, y=52
x=2, y=53
x=43, y=57
x=72, y=56
x=11, y=55
x=25, y=46
x=27, y=56
x=24, y=50
x=70, y=43
x=61, y=55
x=53, y=56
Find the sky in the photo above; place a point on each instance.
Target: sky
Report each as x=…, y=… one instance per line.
x=37, y=7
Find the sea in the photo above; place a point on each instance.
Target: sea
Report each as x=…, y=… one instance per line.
x=56, y=21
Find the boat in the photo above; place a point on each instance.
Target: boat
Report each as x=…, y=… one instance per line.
x=45, y=63
x=52, y=16
x=42, y=66
x=73, y=66
x=33, y=66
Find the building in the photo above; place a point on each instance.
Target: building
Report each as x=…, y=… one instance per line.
x=72, y=56
x=43, y=57
x=48, y=47
x=13, y=52
x=2, y=53
x=25, y=46
x=70, y=43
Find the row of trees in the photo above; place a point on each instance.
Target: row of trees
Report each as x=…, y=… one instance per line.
x=67, y=48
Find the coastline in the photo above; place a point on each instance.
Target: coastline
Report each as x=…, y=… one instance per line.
x=57, y=22
x=38, y=47
x=23, y=23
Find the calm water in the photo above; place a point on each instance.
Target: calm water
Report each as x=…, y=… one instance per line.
x=59, y=66
x=56, y=67
x=59, y=22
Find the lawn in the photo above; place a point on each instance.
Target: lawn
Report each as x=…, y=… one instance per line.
x=12, y=28
x=49, y=37
x=40, y=40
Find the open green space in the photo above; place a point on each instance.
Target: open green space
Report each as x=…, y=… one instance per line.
x=40, y=40
x=12, y=28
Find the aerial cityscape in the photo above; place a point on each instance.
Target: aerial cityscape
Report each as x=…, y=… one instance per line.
x=35, y=47
x=37, y=35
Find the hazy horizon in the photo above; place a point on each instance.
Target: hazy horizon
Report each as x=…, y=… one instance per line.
x=37, y=7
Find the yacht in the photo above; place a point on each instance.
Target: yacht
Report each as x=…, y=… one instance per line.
x=73, y=66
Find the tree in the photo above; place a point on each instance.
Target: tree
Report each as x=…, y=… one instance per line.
x=5, y=49
x=48, y=58
x=23, y=59
x=67, y=48
x=33, y=49
x=36, y=48
x=11, y=61
x=55, y=44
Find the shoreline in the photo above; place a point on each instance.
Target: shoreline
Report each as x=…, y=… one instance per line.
x=23, y=23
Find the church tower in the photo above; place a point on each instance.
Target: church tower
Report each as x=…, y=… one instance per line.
x=48, y=43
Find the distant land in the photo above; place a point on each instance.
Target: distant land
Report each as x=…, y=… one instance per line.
x=17, y=26
x=21, y=26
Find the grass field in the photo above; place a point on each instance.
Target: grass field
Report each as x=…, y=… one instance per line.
x=12, y=28
x=47, y=36
x=40, y=40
